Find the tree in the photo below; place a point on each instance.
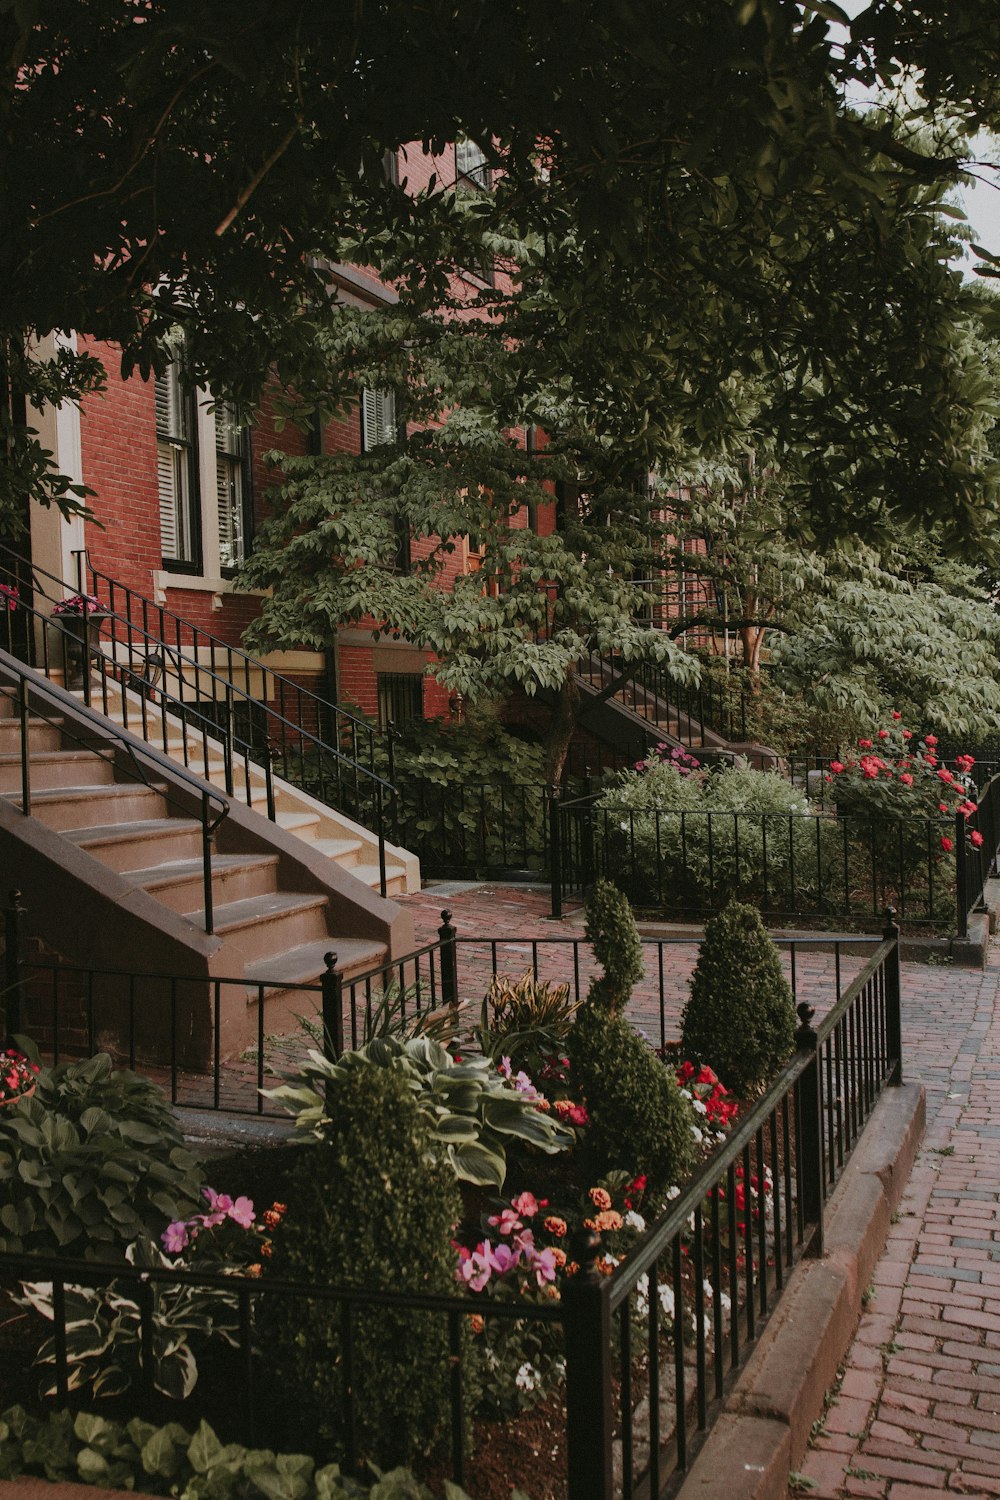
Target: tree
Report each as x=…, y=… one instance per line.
x=184, y=162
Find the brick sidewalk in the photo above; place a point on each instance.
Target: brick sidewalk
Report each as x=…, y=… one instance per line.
x=918, y=1409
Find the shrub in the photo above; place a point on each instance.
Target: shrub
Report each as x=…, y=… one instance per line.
x=370, y=1206
x=93, y=1161
x=740, y=1016
x=77, y=1446
x=639, y=1121
x=695, y=837
x=612, y=931
x=470, y=1110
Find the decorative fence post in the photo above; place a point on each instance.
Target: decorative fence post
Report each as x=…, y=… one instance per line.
x=333, y=1008
x=961, y=880
x=555, y=852
x=449, y=961
x=810, y=1128
x=12, y=966
x=587, y=1322
x=893, y=994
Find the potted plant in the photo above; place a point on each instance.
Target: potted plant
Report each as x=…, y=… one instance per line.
x=79, y=619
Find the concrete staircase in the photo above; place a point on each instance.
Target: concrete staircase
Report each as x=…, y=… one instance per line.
x=329, y=832
x=111, y=863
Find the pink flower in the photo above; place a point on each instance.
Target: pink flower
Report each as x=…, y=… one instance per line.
x=526, y=1204
x=543, y=1264
x=503, y=1258
x=907, y=734
x=475, y=1267
x=883, y=734
x=976, y=839
x=906, y=778
x=946, y=844
x=836, y=766
x=504, y=1066
x=930, y=739
x=242, y=1212
x=945, y=775
x=175, y=1237
x=507, y=1222
x=864, y=744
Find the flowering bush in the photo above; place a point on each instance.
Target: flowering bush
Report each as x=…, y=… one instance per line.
x=10, y=594
x=522, y=1257
x=80, y=604
x=709, y=1098
x=227, y=1234
x=676, y=758
x=17, y=1075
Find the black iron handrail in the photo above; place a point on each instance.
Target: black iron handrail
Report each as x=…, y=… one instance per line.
x=648, y=689
x=322, y=769
x=31, y=686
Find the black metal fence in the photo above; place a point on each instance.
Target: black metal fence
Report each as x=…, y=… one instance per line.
x=651, y=1348
x=690, y=863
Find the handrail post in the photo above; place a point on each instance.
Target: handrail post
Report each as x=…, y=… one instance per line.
x=961, y=879
x=893, y=998
x=333, y=1010
x=22, y=714
x=555, y=853
x=587, y=1323
x=810, y=1128
x=449, y=960
x=206, y=860
x=380, y=817
x=13, y=982
x=79, y=553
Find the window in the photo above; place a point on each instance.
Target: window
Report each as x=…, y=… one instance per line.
x=472, y=171
x=176, y=471
x=232, y=487
x=378, y=418
x=400, y=698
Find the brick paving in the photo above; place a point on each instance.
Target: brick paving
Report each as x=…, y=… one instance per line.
x=917, y=1412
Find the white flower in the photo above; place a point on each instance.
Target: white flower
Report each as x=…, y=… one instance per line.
x=635, y=1221
x=699, y=1107
x=698, y=1137
x=667, y=1299
x=673, y=1193
x=526, y=1378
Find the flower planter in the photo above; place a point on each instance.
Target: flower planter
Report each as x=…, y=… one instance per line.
x=16, y=1098
x=79, y=635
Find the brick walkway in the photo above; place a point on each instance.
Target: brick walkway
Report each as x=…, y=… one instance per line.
x=918, y=1409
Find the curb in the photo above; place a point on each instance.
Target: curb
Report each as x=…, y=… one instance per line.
x=765, y=1424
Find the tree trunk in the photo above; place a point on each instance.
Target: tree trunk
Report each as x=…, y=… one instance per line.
x=563, y=723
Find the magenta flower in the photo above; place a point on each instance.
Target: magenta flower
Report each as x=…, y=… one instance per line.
x=175, y=1237
x=503, y=1258
x=526, y=1204
x=475, y=1268
x=242, y=1212
x=507, y=1222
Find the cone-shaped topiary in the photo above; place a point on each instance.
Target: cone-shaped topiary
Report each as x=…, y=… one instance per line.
x=368, y=1206
x=639, y=1120
x=612, y=932
x=740, y=1016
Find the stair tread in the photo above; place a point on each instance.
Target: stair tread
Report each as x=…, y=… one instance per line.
x=233, y=914
x=372, y=875
x=172, y=870
x=124, y=832
x=293, y=820
x=307, y=962
x=94, y=789
x=334, y=848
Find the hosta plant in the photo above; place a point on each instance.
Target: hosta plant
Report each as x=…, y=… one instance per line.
x=470, y=1108
x=94, y=1160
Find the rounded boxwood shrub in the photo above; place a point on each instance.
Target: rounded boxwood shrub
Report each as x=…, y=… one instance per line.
x=95, y=1160
x=639, y=1119
x=740, y=1015
x=368, y=1206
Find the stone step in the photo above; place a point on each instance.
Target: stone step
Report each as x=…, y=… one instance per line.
x=179, y=884
x=56, y=768
x=41, y=735
x=269, y=924
x=64, y=808
x=130, y=846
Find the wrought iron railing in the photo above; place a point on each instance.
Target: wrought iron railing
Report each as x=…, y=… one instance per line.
x=36, y=698
x=172, y=680
x=678, y=714
x=650, y=1349
x=689, y=863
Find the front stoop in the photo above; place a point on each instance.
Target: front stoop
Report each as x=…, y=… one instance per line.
x=763, y=1430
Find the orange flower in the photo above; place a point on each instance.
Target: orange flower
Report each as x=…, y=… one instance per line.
x=554, y=1225
x=559, y=1257
x=600, y=1198
x=477, y=1322
x=254, y=1270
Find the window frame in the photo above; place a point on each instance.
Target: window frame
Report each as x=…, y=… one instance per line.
x=187, y=456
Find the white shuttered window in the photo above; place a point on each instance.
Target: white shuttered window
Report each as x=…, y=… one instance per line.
x=175, y=469
x=378, y=418
x=231, y=487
